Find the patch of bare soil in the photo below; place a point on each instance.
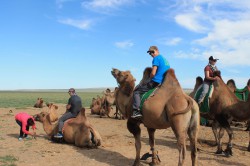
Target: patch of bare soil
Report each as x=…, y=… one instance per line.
x=117, y=148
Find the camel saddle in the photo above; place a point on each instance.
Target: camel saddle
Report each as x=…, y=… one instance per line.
x=147, y=95
x=242, y=94
x=204, y=107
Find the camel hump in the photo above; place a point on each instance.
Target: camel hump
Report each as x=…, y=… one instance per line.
x=190, y=104
x=82, y=112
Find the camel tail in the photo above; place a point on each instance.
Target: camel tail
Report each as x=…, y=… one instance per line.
x=190, y=103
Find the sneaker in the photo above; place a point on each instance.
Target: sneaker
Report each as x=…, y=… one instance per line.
x=58, y=135
x=20, y=139
x=136, y=114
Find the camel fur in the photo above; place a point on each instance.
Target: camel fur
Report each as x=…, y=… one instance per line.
x=169, y=107
x=39, y=103
x=76, y=131
x=224, y=107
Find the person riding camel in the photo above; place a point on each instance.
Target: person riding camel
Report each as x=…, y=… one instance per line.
x=73, y=107
x=159, y=66
x=209, y=78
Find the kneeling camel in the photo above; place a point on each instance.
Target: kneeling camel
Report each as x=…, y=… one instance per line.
x=76, y=131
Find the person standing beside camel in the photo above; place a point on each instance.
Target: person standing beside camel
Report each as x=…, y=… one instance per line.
x=73, y=107
x=24, y=120
x=209, y=78
x=159, y=67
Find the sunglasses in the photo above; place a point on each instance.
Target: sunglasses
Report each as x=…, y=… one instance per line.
x=151, y=52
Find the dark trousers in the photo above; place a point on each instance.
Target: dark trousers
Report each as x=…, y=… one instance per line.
x=63, y=118
x=139, y=90
x=21, y=129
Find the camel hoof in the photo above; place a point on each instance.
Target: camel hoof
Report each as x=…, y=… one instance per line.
x=229, y=152
x=220, y=152
x=146, y=156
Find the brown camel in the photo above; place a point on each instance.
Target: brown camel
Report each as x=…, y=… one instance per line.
x=97, y=107
x=39, y=103
x=109, y=101
x=168, y=107
x=76, y=131
x=224, y=107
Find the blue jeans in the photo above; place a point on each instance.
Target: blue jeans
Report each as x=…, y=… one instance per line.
x=205, y=88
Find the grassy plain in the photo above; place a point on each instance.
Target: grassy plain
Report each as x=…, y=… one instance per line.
x=23, y=99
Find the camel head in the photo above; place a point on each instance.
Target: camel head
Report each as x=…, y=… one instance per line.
x=122, y=76
x=39, y=103
x=41, y=117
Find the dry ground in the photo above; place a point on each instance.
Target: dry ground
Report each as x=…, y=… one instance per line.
x=117, y=148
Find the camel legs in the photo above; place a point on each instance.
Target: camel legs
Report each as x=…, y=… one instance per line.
x=181, y=142
x=215, y=126
x=249, y=142
x=225, y=124
x=193, y=135
x=155, y=158
x=134, y=128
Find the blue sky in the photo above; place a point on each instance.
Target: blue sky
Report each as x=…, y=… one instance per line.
x=58, y=44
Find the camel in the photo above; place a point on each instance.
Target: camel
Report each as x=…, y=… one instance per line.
x=224, y=107
x=53, y=112
x=168, y=107
x=97, y=107
x=109, y=101
x=39, y=103
x=76, y=131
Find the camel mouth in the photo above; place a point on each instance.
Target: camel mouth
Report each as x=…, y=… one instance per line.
x=115, y=72
x=36, y=117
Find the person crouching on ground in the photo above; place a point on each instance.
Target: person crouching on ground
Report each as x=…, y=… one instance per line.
x=24, y=120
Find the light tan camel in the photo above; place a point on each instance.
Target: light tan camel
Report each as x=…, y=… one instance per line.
x=53, y=112
x=169, y=107
x=110, y=100
x=39, y=103
x=97, y=107
x=224, y=106
x=76, y=131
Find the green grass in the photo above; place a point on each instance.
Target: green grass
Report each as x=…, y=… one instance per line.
x=28, y=99
x=8, y=160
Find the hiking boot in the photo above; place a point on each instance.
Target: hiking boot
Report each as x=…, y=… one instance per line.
x=136, y=114
x=58, y=135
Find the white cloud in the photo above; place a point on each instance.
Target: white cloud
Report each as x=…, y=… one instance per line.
x=60, y=3
x=124, y=44
x=171, y=42
x=81, y=24
x=104, y=6
x=223, y=28
x=190, y=22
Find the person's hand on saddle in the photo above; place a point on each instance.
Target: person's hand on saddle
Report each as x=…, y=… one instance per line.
x=68, y=106
x=216, y=78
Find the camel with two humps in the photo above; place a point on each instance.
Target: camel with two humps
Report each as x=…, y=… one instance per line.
x=168, y=107
x=76, y=131
x=224, y=107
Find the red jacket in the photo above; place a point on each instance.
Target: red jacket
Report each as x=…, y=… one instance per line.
x=23, y=118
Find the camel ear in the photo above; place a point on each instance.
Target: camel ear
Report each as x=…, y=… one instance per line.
x=56, y=107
